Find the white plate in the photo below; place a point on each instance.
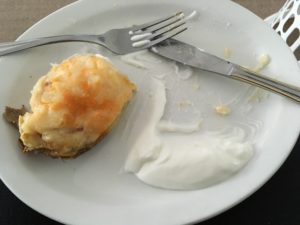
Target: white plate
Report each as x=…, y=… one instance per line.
x=91, y=189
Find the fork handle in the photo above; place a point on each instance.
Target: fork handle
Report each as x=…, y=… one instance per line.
x=10, y=47
x=275, y=86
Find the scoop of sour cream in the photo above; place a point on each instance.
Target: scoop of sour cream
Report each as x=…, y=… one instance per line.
x=177, y=160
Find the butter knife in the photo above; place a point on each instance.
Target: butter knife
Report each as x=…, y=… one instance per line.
x=190, y=55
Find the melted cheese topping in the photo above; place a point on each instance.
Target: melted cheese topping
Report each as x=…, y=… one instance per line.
x=74, y=104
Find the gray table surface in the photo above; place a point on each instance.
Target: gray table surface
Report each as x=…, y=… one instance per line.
x=18, y=15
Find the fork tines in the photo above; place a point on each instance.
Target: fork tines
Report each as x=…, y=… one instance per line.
x=151, y=33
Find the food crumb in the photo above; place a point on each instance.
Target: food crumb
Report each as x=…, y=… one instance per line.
x=227, y=53
x=263, y=61
x=222, y=110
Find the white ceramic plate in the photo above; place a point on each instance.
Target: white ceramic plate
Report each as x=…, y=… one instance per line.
x=91, y=189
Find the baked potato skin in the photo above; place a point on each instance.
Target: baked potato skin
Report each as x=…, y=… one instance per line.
x=73, y=107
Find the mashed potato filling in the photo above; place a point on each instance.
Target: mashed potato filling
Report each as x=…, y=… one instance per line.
x=74, y=105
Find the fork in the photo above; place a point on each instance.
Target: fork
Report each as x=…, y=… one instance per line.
x=119, y=41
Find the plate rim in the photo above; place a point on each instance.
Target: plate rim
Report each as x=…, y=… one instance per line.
x=202, y=219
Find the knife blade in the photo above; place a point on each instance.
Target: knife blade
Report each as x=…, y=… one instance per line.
x=197, y=58
x=192, y=56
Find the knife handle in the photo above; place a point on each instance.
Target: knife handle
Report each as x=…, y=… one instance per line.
x=275, y=86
